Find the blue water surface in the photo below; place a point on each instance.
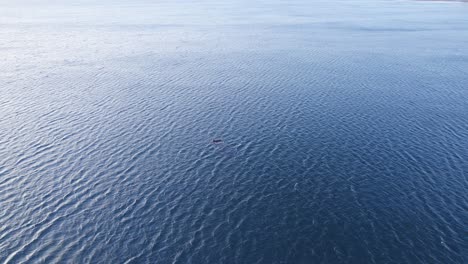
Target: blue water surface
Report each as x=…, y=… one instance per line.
x=344, y=128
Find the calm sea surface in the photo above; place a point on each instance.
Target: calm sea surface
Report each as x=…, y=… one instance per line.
x=344, y=128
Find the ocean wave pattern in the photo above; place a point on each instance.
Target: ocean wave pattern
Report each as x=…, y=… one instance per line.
x=344, y=127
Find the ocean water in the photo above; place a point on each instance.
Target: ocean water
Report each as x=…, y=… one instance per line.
x=344, y=128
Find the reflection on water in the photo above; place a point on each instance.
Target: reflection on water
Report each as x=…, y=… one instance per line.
x=343, y=127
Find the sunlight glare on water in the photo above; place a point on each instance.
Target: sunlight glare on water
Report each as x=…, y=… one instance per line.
x=344, y=128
